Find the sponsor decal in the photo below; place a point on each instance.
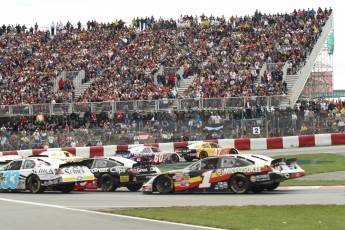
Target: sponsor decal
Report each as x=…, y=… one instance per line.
x=43, y=171
x=146, y=169
x=79, y=178
x=51, y=182
x=73, y=170
x=238, y=169
x=124, y=179
x=113, y=170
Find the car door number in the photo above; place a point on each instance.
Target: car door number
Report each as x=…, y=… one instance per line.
x=10, y=179
x=159, y=158
x=206, y=177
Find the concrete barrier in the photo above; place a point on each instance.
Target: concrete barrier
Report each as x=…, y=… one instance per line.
x=241, y=144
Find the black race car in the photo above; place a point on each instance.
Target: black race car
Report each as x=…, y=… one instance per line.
x=114, y=172
x=216, y=174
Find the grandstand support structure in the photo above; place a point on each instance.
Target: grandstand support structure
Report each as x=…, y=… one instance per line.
x=320, y=81
x=314, y=62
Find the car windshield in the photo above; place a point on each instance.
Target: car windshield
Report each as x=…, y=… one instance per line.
x=194, y=166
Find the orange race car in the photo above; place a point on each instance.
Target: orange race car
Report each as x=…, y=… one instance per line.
x=200, y=150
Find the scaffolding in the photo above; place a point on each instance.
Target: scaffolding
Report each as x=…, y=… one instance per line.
x=320, y=80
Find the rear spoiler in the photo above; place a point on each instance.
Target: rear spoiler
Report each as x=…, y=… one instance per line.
x=121, y=152
x=38, y=156
x=143, y=164
x=277, y=161
x=291, y=161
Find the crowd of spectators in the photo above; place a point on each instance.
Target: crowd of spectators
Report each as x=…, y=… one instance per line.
x=121, y=60
x=234, y=67
x=87, y=129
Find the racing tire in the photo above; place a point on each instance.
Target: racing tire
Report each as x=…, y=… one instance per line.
x=164, y=184
x=189, y=159
x=273, y=186
x=34, y=185
x=145, y=159
x=107, y=183
x=203, y=155
x=233, y=151
x=134, y=187
x=67, y=188
x=174, y=158
x=239, y=184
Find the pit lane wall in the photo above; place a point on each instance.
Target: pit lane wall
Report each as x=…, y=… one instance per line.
x=241, y=144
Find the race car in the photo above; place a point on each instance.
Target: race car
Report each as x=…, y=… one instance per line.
x=289, y=168
x=215, y=174
x=6, y=159
x=200, y=150
x=62, y=155
x=149, y=153
x=38, y=174
x=114, y=172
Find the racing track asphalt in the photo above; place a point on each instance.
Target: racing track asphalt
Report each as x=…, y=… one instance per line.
x=56, y=211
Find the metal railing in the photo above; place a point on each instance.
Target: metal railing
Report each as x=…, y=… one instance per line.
x=226, y=103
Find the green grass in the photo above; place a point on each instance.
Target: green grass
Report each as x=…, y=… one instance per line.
x=291, y=217
x=319, y=163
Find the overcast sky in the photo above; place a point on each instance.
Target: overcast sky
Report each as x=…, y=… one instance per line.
x=45, y=11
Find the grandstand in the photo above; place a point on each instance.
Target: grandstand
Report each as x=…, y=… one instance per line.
x=161, y=75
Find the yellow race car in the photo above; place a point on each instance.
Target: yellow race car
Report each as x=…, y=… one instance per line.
x=200, y=150
x=62, y=155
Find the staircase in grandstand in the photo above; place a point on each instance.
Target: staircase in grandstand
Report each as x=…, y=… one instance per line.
x=296, y=83
x=185, y=83
x=82, y=88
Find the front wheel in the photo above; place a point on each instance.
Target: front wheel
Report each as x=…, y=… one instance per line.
x=174, y=159
x=107, y=183
x=273, y=186
x=239, y=184
x=34, y=185
x=165, y=184
x=134, y=187
x=203, y=155
x=67, y=188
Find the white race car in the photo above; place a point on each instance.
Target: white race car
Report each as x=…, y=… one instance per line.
x=6, y=159
x=289, y=168
x=62, y=155
x=38, y=174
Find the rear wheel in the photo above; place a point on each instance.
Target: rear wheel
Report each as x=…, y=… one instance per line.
x=175, y=159
x=233, y=151
x=144, y=159
x=34, y=184
x=239, y=184
x=67, y=188
x=273, y=186
x=203, y=155
x=134, y=187
x=189, y=159
x=107, y=183
x=164, y=184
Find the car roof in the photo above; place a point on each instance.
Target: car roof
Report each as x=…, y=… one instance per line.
x=10, y=158
x=52, y=152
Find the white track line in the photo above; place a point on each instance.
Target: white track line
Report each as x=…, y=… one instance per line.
x=104, y=214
